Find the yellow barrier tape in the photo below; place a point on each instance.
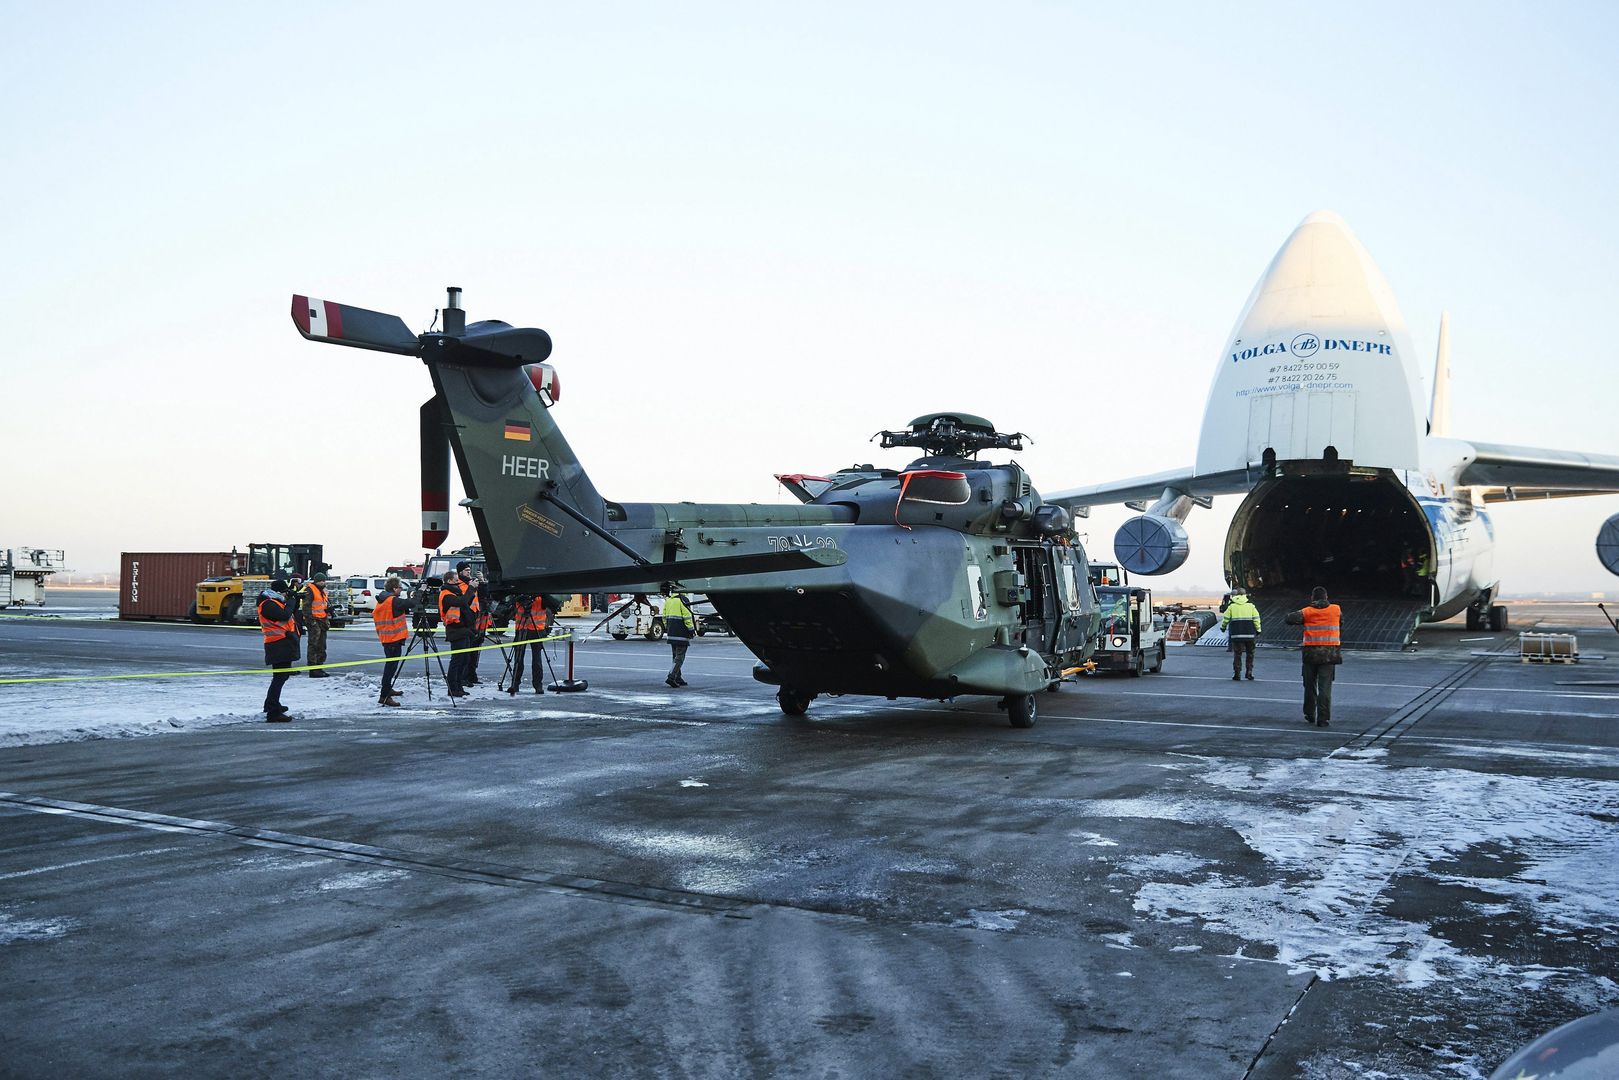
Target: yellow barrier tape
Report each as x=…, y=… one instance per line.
x=266, y=670
x=175, y=621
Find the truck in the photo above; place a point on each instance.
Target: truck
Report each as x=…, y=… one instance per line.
x=222, y=598
x=1130, y=638
x=23, y=571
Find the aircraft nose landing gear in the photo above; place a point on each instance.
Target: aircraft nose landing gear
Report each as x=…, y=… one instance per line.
x=1021, y=709
x=794, y=702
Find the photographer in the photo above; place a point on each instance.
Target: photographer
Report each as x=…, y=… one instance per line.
x=458, y=617
x=531, y=619
x=277, y=610
x=391, y=619
x=482, y=615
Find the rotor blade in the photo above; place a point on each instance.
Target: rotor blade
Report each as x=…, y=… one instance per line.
x=490, y=344
x=340, y=324
x=769, y=562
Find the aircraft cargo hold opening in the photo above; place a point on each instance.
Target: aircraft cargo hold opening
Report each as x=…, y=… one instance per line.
x=1348, y=534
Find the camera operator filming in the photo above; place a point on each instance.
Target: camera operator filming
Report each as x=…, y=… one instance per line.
x=392, y=625
x=457, y=613
x=531, y=619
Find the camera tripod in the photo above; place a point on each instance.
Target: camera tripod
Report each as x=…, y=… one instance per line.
x=429, y=647
x=511, y=653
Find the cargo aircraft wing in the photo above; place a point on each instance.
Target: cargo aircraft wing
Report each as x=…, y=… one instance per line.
x=1523, y=472
x=1147, y=488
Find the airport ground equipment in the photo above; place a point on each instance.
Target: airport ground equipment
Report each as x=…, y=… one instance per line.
x=23, y=573
x=638, y=616
x=1548, y=648
x=223, y=597
x=946, y=577
x=1107, y=573
x=1130, y=638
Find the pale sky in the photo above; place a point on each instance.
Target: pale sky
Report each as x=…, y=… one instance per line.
x=760, y=233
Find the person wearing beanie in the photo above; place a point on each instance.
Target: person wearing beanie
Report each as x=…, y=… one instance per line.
x=277, y=619
x=1323, y=652
x=1241, y=619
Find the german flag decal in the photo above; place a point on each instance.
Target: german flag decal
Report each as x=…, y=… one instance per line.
x=518, y=430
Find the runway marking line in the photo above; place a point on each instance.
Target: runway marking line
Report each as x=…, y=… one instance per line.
x=466, y=870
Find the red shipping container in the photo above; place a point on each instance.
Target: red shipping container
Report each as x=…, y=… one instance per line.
x=163, y=584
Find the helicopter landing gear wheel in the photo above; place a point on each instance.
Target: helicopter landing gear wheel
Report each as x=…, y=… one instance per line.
x=793, y=701
x=1021, y=710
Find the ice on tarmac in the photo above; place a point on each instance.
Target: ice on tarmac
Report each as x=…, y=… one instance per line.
x=1335, y=832
x=36, y=713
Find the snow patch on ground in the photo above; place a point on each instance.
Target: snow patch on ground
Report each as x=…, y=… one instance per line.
x=1169, y=862
x=35, y=713
x=1336, y=832
x=14, y=928
x=998, y=921
x=1090, y=839
x=363, y=879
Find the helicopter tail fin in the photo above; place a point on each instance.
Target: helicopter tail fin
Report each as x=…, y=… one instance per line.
x=542, y=523
x=528, y=493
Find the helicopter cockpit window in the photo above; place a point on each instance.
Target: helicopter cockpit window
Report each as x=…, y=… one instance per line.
x=935, y=487
x=1070, y=588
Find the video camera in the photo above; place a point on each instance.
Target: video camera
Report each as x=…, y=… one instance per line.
x=423, y=596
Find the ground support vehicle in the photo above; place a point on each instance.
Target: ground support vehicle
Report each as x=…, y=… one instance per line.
x=1130, y=639
x=709, y=621
x=222, y=598
x=23, y=572
x=639, y=617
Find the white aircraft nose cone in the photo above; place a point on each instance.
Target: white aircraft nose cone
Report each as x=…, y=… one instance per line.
x=1324, y=217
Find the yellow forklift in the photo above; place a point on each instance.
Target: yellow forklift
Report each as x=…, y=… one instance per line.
x=219, y=599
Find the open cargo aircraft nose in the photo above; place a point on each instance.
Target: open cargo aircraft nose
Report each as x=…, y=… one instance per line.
x=1315, y=415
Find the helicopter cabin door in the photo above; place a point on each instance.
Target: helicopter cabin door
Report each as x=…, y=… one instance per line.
x=1039, y=611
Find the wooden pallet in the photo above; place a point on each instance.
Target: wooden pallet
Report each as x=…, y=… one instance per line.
x=1549, y=659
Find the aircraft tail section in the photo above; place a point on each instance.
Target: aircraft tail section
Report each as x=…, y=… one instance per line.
x=1439, y=407
x=1319, y=365
x=529, y=495
x=542, y=523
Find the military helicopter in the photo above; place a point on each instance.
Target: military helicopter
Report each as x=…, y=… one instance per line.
x=945, y=578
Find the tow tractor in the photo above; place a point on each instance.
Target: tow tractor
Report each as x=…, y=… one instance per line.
x=638, y=616
x=1130, y=638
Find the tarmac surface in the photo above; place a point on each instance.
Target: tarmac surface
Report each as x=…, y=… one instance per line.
x=1168, y=876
